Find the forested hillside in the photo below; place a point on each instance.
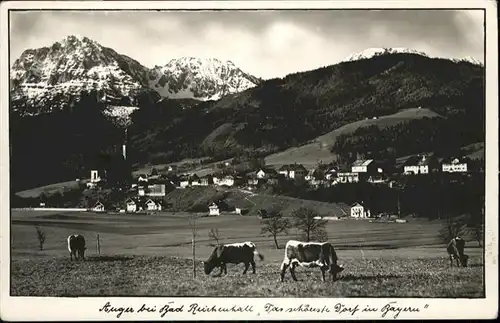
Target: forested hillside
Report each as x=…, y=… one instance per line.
x=273, y=116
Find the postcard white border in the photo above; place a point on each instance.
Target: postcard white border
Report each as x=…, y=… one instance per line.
x=59, y=309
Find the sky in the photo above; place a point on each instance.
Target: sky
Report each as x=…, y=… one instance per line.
x=265, y=44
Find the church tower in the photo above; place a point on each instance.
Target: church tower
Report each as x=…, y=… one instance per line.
x=124, y=146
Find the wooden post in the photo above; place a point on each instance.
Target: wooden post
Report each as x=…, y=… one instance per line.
x=192, y=224
x=194, y=256
x=399, y=207
x=98, y=245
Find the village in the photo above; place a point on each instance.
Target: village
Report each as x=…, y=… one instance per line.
x=146, y=193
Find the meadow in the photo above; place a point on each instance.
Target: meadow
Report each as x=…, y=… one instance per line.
x=150, y=255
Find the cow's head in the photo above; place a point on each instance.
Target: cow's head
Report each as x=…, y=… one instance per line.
x=464, y=260
x=208, y=267
x=336, y=269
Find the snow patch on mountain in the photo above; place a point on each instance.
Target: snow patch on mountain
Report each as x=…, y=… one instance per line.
x=469, y=59
x=373, y=52
x=50, y=77
x=201, y=79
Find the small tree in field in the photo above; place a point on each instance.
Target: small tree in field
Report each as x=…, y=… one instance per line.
x=275, y=224
x=214, y=235
x=308, y=225
x=475, y=227
x=452, y=227
x=41, y=237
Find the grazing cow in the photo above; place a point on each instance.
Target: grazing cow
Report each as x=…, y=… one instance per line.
x=455, y=249
x=76, y=246
x=234, y=253
x=310, y=255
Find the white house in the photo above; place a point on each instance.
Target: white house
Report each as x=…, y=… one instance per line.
x=195, y=180
x=294, y=171
x=184, y=183
x=152, y=190
x=420, y=165
x=227, y=180
x=131, y=206
x=98, y=207
x=261, y=174
x=358, y=211
x=361, y=166
x=213, y=209
x=455, y=166
x=152, y=205
x=347, y=177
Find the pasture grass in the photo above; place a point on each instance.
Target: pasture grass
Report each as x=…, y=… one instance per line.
x=170, y=276
x=149, y=255
x=50, y=189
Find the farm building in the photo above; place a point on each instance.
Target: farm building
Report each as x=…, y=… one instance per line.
x=226, y=180
x=194, y=180
x=331, y=173
x=206, y=180
x=347, y=177
x=183, y=182
x=293, y=171
x=366, y=166
x=359, y=211
x=98, y=207
x=454, y=166
x=265, y=173
x=213, y=209
x=131, y=205
x=152, y=190
x=151, y=205
x=420, y=165
x=240, y=211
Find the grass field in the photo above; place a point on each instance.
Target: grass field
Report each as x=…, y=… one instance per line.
x=50, y=189
x=149, y=255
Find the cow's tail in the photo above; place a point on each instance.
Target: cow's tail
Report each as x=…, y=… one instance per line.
x=258, y=254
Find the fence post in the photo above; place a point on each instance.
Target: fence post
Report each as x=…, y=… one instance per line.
x=98, y=245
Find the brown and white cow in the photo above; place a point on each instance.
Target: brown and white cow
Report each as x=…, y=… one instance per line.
x=76, y=246
x=310, y=255
x=455, y=250
x=234, y=253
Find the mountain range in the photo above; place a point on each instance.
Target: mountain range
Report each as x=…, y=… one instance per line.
x=197, y=108
x=48, y=78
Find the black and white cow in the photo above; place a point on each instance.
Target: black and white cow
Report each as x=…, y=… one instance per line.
x=234, y=253
x=76, y=246
x=310, y=255
x=455, y=250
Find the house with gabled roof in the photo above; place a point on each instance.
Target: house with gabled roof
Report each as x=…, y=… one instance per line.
x=152, y=205
x=362, y=166
x=265, y=173
x=213, y=209
x=98, y=207
x=421, y=164
x=293, y=171
x=131, y=205
x=359, y=211
x=454, y=165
